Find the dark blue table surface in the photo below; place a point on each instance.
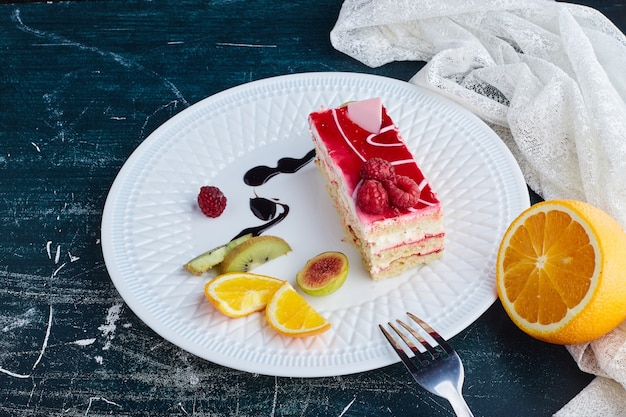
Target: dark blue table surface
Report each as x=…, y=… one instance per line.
x=82, y=84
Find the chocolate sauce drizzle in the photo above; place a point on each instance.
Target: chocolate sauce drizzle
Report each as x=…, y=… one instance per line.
x=257, y=230
x=263, y=208
x=261, y=174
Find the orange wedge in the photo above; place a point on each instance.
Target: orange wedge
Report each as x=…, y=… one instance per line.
x=237, y=294
x=290, y=314
x=561, y=272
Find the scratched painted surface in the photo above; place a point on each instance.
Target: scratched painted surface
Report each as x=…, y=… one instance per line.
x=82, y=84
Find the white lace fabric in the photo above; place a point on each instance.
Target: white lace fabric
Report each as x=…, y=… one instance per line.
x=550, y=79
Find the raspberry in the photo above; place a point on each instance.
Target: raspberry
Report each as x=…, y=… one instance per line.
x=372, y=197
x=377, y=169
x=403, y=191
x=211, y=200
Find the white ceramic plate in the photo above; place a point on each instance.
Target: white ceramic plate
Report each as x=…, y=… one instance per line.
x=151, y=224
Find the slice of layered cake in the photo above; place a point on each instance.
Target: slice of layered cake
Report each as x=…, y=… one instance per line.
x=386, y=204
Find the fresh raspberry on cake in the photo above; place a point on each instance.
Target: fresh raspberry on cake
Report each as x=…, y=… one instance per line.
x=377, y=169
x=211, y=201
x=403, y=191
x=372, y=197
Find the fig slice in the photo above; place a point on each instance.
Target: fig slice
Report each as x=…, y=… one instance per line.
x=323, y=274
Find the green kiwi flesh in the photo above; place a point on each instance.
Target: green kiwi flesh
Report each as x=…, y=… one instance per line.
x=202, y=263
x=254, y=252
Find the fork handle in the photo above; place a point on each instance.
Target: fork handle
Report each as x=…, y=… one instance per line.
x=454, y=396
x=460, y=406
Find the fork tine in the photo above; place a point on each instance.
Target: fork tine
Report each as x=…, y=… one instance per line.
x=440, y=340
x=433, y=352
x=401, y=353
x=419, y=355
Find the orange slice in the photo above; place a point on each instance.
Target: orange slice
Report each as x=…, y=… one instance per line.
x=237, y=294
x=290, y=314
x=561, y=272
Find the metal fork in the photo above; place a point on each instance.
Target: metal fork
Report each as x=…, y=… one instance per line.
x=440, y=369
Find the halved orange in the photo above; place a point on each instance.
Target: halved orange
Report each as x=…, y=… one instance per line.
x=237, y=294
x=290, y=314
x=561, y=272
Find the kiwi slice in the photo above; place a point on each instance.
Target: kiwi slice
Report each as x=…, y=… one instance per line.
x=202, y=263
x=323, y=274
x=254, y=252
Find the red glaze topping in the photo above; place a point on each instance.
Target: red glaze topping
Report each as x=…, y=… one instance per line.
x=350, y=146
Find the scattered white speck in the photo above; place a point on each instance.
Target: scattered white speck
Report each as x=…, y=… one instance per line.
x=347, y=407
x=180, y=405
x=98, y=359
x=245, y=45
x=14, y=374
x=56, y=271
x=92, y=399
x=84, y=342
x=44, y=345
x=109, y=327
x=275, y=400
x=57, y=256
x=72, y=258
